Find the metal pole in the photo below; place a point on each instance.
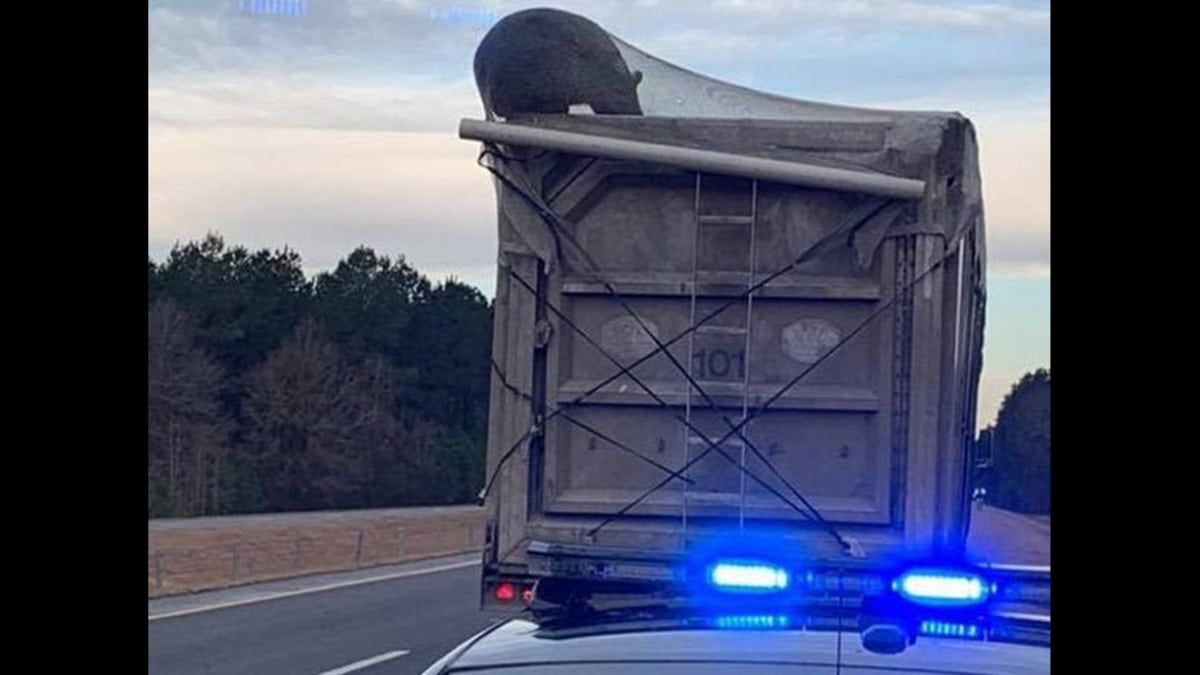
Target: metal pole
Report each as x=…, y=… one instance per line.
x=400, y=541
x=158, y=569
x=236, y=559
x=358, y=550
x=779, y=171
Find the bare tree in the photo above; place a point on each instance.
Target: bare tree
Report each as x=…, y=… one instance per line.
x=187, y=430
x=315, y=418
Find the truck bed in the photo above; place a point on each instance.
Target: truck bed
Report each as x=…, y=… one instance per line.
x=678, y=352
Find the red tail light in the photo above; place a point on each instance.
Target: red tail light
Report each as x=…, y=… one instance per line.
x=505, y=592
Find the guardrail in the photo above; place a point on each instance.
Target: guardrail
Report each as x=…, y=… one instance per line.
x=252, y=557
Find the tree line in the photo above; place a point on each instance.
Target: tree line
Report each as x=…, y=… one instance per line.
x=367, y=387
x=1019, y=445
x=361, y=387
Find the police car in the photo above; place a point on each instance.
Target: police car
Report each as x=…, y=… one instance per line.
x=751, y=614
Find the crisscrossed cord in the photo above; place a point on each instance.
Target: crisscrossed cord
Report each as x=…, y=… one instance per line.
x=661, y=403
x=855, y=218
x=812, y=251
x=791, y=383
x=547, y=214
x=504, y=382
x=735, y=429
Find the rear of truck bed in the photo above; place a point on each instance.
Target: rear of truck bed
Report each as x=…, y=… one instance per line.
x=680, y=352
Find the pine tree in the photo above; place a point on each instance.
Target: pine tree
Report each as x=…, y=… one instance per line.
x=1021, y=447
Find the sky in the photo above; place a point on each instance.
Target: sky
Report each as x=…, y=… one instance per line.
x=323, y=125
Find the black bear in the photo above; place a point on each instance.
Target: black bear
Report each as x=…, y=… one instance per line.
x=546, y=60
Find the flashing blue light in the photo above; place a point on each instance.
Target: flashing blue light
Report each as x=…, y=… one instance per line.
x=950, y=629
x=942, y=587
x=752, y=622
x=741, y=576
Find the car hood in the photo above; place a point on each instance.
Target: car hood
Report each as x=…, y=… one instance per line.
x=518, y=642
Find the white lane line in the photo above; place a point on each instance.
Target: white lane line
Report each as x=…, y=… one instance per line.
x=359, y=665
x=314, y=589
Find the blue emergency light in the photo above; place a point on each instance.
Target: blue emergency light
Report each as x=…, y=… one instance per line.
x=950, y=629
x=747, y=576
x=752, y=621
x=943, y=587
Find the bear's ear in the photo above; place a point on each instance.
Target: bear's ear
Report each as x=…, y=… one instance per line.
x=637, y=77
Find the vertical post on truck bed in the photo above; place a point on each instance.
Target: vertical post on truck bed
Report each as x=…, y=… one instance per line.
x=748, y=344
x=537, y=441
x=955, y=447
x=691, y=347
x=924, y=397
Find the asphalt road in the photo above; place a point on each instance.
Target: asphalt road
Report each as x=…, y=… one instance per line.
x=318, y=632
x=328, y=632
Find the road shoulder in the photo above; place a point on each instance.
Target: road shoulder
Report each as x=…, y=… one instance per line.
x=181, y=605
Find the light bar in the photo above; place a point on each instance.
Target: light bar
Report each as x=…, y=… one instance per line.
x=752, y=622
x=950, y=629
x=741, y=576
x=942, y=587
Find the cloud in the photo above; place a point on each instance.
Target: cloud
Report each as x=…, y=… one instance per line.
x=334, y=37
x=272, y=101
x=1015, y=166
x=365, y=65
x=962, y=15
x=992, y=390
x=1022, y=255
x=993, y=387
x=782, y=16
x=323, y=192
x=715, y=32
x=354, y=63
x=393, y=38
x=238, y=101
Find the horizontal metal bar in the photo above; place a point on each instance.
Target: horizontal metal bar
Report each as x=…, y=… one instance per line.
x=721, y=330
x=794, y=173
x=725, y=220
x=721, y=285
x=856, y=399
x=696, y=440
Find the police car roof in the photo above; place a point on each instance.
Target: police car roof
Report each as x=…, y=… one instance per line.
x=517, y=647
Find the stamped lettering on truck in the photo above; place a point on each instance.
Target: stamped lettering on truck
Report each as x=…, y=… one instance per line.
x=807, y=339
x=626, y=340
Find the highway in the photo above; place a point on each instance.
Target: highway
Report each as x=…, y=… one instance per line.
x=351, y=622
x=400, y=625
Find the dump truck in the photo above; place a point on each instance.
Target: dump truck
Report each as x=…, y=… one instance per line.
x=722, y=311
